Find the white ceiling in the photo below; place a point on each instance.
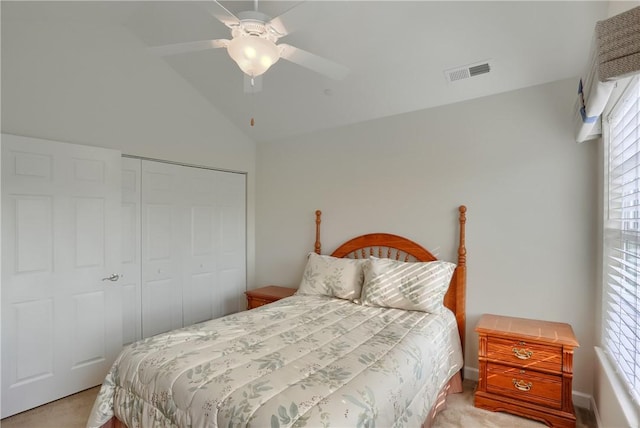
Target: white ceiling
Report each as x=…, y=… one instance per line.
x=396, y=51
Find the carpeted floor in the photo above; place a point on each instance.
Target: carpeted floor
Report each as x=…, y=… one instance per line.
x=70, y=412
x=73, y=412
x=460, y=412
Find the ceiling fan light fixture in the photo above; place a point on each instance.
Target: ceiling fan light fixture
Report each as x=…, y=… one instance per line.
x=253, y=54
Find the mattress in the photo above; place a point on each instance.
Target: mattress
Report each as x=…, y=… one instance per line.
x=312, y=361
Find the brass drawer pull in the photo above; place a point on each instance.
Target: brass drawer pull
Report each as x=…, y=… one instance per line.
x=522, y=354
x=522, y=385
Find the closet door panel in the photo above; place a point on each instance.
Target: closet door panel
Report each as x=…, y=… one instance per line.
x=131, y=247
x=158, y=310
x=162, y=237
x=193, y=255
x=231, y=226
x=200, y=279
x=199, y=303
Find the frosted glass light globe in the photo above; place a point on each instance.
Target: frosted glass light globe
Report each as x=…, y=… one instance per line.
x=254, y=55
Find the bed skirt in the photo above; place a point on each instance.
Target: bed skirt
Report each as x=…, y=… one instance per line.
x=454, y=386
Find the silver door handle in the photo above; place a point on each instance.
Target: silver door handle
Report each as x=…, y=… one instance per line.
x=114, y=277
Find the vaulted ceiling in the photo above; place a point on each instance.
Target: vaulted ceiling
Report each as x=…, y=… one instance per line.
x=397, y=53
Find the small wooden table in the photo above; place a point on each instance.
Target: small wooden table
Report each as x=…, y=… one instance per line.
x=526, y=368
x=262, y=296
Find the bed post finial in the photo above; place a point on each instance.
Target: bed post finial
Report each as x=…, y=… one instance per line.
x=317, y=245
x=461, y=278
x=462, y=250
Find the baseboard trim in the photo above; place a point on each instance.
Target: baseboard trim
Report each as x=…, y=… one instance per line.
x=471, y=373
x=594, y=408
x=580, y=399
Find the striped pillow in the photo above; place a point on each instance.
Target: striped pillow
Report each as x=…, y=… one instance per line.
x=413, y=286
x=332, y=276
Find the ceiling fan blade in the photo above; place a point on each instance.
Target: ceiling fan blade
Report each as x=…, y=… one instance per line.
x=221, y=13
x=178, y=48
x=313, y=62
x=284, y=23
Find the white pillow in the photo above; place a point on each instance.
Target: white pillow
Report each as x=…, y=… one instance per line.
x=332, y=276
x=413, y=286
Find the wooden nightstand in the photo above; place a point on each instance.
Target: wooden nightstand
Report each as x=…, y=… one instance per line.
x=262, y=296
x=526, y=368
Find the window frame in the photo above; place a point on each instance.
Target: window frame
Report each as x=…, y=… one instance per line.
x=622, y=86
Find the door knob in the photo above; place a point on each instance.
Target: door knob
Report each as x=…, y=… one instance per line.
x=114, y=277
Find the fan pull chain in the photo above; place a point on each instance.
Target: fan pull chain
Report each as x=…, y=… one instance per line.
x=253, y=84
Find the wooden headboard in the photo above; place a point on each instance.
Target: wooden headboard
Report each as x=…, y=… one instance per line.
x=399, y=248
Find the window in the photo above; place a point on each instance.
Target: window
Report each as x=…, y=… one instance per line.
x=621, y=299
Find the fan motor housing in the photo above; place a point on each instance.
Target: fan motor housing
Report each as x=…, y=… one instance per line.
x=256, y=23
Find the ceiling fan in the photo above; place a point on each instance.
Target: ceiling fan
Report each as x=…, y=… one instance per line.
x=253, y=44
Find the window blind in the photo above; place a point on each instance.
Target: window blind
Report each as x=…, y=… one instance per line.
x=621, y=326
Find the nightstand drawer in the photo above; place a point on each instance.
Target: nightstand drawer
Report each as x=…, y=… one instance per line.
x=264, y=295
x=525, y=354
x=525, y=385
x=255, y=302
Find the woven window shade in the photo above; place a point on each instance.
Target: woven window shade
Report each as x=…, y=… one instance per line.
x=618, y=45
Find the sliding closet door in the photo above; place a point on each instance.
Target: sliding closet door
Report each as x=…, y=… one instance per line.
x=162, y=247
x=215, y=253
x=194, y=251
x=232, y=251
x=61, y=322
x=131, y=251
x=200, y=246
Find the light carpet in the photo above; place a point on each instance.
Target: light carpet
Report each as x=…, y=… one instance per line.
x=460, y=412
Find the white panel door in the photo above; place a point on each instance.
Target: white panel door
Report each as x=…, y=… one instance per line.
x=232, y=250
x=61, y=323
x=215, y=256
x=162, y=247
x=201, y=212
x=131, y=251
x=194, y=245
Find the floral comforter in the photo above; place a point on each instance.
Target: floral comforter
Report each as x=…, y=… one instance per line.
x=309, y=361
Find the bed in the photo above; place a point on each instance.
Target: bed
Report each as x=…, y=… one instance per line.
x=385, y=354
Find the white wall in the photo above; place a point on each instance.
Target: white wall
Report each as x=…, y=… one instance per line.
x=531, y=193
x=97, y=85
